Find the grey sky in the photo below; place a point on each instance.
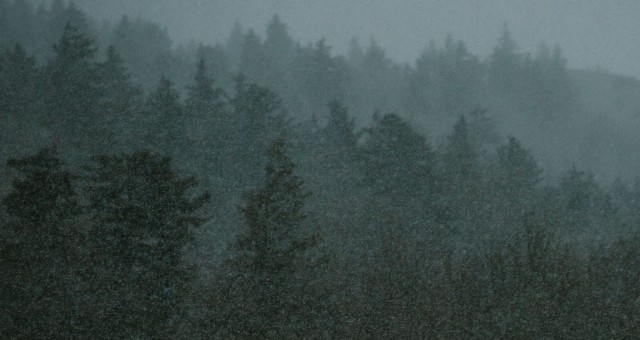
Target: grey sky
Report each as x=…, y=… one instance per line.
x=602, y=33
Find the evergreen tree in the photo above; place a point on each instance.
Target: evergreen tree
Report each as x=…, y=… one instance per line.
x=252, y=59
x=20, y=102
x=505, y=65
x=516, y=177
x=339, y=132
x=206, y=122
x=118, y=104
x=71, y=91
x=234, y=45
x=278, y=49
x=462, y=206
x=166, y=129
x=264, y=296
x=399, y=160
x=145, y=214
x=320, y=77
x=18, y=90
x=258, y=118
x=40, y=296
x=579, y=202
x=518, y=171
x=459, y=156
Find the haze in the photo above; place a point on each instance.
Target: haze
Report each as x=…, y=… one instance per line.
x=592, y=33
x=173, y=175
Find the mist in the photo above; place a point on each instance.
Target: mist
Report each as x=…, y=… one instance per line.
x=593, y=34
x=319, y=169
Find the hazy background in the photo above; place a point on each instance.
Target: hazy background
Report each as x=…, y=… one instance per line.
x=592, y=33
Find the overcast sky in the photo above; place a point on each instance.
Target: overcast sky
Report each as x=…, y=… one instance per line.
x=593, y=33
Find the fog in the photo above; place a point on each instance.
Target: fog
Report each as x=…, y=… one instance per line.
x=592, y=33
x=319, y=169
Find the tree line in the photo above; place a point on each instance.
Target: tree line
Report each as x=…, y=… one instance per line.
x=215, y=212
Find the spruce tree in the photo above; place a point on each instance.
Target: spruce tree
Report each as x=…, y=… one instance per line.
x=118, y=104
x=39, y=260
x=71, y=91
x=145, y=214
x=165, y=114
x=264, y=295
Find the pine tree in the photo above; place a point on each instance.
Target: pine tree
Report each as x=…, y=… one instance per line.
x=118, y=104
x=18, y=90
x=505, y=65
x=258, y=118
x=145, y=214
x=264, y=296
x=41, y=257
x=459, y=156
x=339, y=132
x=518, y=171
x=45, y=194
x=166, y=130
x=71, y=91
x=399, y=160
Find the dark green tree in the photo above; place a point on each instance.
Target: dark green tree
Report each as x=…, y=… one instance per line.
x=258, y=118
x=339, y=132
x=206, y=122
x=514, y=184
x=40, y=286
x=461, y=206
x=20, y=102
x=165, y=114
x=264, y=296
x=145, y=214
x=18, y=75
x=398, y=160
x=518, y=171
x=118, y=104
x=71, y=90
x=459, y=155
x=579, y=202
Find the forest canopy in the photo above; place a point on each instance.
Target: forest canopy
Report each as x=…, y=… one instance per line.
x=266, y=188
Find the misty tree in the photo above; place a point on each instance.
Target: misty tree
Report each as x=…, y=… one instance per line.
x=20, y=101
x=339, y=132
x=258, y=118
x=518, y=171
x=144, y=216
x=505, y=65
x=118, y=104
x=514, y=184
x=234, y=45
x=462, y=206
x=264, y=294
x=18, y=89
x=39, y=265
x=279, y=53
x=580, y=202
x=208, y=129
x=446, y=81
x=165, y=119
x=146, y=48
x=320, y=77
x=70, y=89
x=252, y=60
x=399, y=161
x=459, y=155
x=550, y=91
x=378, y=79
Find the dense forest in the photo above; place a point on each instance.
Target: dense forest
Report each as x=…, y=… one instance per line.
x=264, y=188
